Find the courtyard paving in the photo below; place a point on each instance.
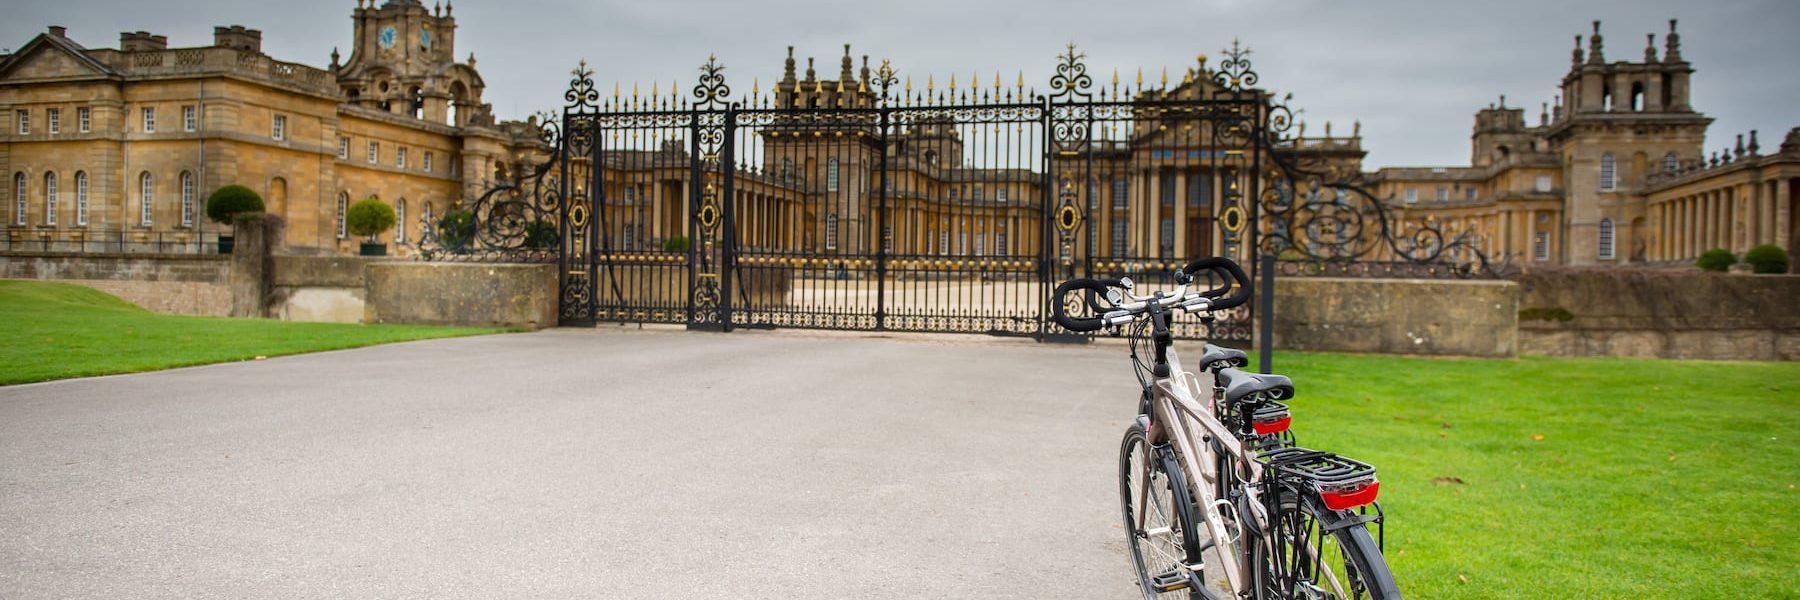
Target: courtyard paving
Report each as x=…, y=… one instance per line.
x=609, y=463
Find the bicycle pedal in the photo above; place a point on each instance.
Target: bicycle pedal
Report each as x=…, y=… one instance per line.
x=1171, y=581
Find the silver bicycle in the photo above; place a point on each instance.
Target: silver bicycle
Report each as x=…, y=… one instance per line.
x=1208, y=469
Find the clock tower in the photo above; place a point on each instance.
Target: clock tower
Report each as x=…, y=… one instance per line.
x=404, y=62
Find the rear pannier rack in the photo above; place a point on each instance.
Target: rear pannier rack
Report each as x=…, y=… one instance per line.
x=1342, y=483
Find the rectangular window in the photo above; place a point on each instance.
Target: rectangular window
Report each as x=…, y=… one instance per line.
x=962, y=243
x=1168, y=190
x=1543, y=183
x=831, y=176
x=1000, y=240
x=81, y=198
x=1412, y=195
x=1540, y=246
x=427, y=162
x=887, y=237
x=187, y=199
x=955, y=193
x=24, y=119
x=50, y=199
x=149, y=119
x=1443, y=194
x=1199, y=189
x=19, y=199
x=980, y=194
x=278, y=128
x=1469, y=194
x=84, y=119
x=1606, y=239
x=374, y=152
x=1168, y=236
x=1118, y=237
x=53, y=120
x=944, y=242
x=343, y=148
x=980, y=244
x=146, y=198
x=343, y=207
x=1121, y=193
x=1608, y=173
x=188, y=119
x=1000, y=195
x=400, y=157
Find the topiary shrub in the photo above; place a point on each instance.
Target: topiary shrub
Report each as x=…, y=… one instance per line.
x=1767, y=258
x=540, y=235
x=228, y=202
x=369, y=218
x=675, y=243
x=1716, y=259
x=457, y=229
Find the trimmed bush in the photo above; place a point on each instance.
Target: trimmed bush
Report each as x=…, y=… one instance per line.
x=1767, y=258
x=369, y=218
x=676, y=243
x=228, y=202
x=457, y=229
x=540, y=235
x=1716, y=259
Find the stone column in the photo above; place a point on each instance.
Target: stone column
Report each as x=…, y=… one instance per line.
x=1784, y=216
x=257, y=237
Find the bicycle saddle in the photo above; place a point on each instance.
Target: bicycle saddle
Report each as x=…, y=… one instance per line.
x=1239, y=385
x=1214, y=354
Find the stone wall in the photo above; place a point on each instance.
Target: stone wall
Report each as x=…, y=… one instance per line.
x=1659, y=313
x=180, y=284
x=1397, y=316
x=460, y=294
x=318, y=288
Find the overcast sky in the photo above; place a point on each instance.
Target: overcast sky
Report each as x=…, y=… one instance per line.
x=1414, y=71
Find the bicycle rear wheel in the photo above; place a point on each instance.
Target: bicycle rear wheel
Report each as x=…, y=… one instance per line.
x=1164, y=543
x=1322, y=553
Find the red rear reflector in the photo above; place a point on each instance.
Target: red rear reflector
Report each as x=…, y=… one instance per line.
x=1345, y=500
x=1276, y=426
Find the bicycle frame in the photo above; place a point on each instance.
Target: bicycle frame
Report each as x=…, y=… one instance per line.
x=1178, y=418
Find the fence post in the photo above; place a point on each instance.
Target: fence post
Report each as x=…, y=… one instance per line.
x=1266, y=348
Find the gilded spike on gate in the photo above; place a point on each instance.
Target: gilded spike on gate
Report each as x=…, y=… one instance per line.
x=634, y=90
x=953, y=82
x=840, y=89
x=653, y=91
x=1140, y=78
x=756, y=88
x=674, y=89
x=1165, y=78
x=615, y=88
x=1021, y=84
x=996, y=82
x=930, y=84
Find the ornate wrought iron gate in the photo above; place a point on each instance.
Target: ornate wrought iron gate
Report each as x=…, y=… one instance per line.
x=872, y=202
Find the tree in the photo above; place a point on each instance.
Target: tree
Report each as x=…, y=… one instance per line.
x=226, y=203
x=369, y=218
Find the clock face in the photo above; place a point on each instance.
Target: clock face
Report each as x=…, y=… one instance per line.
x=387, y=37
x=425, y=39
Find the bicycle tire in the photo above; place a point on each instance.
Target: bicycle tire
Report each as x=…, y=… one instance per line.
x=1168, y=493
x=1345, y=565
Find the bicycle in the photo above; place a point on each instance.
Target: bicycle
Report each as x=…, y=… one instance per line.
x=1284, y=522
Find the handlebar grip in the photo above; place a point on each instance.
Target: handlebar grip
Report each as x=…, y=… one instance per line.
x=1056, y=305
x=1235, y=276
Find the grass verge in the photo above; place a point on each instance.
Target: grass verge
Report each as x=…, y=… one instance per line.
x=58, y=330
x=1569, y=478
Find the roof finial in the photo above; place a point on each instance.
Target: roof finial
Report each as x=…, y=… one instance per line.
x=1596, y=47
x=1754, y=147
x=788, y=71
x=809, y=69
x=447, y=7
x=1575, y=56
x=1356, y=129
x=1650, y=48
x=1672, y=44
x=334, y=58
x=845, y=74
x=1503, y=101
x=865, y=70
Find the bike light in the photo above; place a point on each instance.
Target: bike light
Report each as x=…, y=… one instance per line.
x=1275, y=426
x=1350, y=497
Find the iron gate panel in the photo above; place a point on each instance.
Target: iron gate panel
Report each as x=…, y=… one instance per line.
x=865, y=203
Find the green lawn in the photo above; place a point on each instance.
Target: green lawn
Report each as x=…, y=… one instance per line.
x=1570, y=478
x=56, y=331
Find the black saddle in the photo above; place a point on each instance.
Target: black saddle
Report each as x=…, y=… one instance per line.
x=1240, y=385
x=1232, y=357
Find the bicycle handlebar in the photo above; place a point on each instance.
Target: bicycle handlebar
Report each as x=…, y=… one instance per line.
x=1237, y=284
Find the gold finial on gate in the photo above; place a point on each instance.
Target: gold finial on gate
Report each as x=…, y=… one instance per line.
x=1021, y=84
x=952, y=82
x=1115, y=77
x=996, y=81
x=653, y=90
x=755, y=87
x=634, y=90
x=615, y=88
x=1165, y=78
x=930, y=84
x=1140, y=78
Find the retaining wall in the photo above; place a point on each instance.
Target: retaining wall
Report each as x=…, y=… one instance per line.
x=180, y=284
x=1660, y=313
x=1397, y=316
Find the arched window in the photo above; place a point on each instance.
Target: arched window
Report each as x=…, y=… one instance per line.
x=831, y=232
x=418, y=104
x=81, y=198
x=831, y=175
x=400, y=221
x=50, y=198
x=343, y=209
x=1606, y=239
x=1608, y=172
x=146, y=196
x=187, y=199
x=1671, y=163
x=19, y=199
x=1637, y=97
